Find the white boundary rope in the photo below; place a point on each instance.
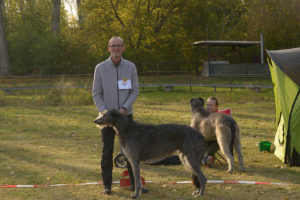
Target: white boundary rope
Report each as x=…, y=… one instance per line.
x=118, y=182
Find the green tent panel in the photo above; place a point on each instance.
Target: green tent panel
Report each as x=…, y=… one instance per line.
x=295, y=131
x=275, y=88
x=285, y=72
x=280, y=140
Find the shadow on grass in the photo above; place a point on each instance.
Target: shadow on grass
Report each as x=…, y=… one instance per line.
x=271, y=174
x=33, y=165
x=285, y=175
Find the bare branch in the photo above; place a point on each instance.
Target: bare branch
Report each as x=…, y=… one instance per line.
x=162, y=18
x=114, y=7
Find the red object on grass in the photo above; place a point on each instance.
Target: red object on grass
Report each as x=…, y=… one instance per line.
x=126, y=181
x=225, y=111
x=125, y=173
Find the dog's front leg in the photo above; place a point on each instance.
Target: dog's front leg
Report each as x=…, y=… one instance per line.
x=137, y=178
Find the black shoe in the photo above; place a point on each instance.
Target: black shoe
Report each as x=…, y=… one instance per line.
x=106, y=191
x=145, y=190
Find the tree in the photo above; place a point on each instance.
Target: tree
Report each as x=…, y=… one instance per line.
x=4, y=57
x=55, y=16
x=278, y=20
x=145, y=25
x=80, y=12
x=157, y=33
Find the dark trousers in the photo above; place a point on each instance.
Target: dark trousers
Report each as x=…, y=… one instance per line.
x=108, y=138
x=212, y=148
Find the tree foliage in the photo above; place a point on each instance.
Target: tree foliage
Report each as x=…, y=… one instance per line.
x=157, y=33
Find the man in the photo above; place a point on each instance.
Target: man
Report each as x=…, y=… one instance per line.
x=115, y=86
x=212, y=106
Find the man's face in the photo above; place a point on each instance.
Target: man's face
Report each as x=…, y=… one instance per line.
x=211, y=105
x=116, y=47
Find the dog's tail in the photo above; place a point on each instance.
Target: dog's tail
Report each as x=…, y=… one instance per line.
x=233, y=129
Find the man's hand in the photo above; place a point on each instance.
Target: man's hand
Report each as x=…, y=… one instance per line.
x=122, y=110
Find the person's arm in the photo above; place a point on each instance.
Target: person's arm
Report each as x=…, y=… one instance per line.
x=134, y=92
x=97, y=90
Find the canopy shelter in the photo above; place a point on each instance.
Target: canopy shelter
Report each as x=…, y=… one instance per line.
x=226, y=43
x=225, y=68
x=285, y=72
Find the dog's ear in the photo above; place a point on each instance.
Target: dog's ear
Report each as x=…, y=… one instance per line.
x=191, y=100
x=201, y=100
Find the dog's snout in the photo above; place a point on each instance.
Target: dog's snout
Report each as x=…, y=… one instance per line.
x=97, y=120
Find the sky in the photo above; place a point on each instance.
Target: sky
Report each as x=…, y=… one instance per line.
x=70, y=6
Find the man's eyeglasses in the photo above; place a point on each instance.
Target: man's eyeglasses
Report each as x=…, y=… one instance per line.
x=116, y=45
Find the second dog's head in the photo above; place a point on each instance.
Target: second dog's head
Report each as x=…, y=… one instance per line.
x=108, y=118
x=196, y=104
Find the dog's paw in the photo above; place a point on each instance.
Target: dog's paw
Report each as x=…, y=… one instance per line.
x=197, y=193
x=144, y=190
x=137, y=194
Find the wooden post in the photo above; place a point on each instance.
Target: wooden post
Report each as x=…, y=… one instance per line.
x=208, y=59
x=261, y=49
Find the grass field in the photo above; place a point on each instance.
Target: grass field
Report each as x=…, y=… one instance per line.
x=48, y=137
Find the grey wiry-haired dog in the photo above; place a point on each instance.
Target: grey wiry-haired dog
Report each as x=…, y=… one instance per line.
x=220, y=127
x=141, y=142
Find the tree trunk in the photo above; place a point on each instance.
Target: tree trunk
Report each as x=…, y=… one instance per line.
x=2, y=5
x=4, y=57
x=55, y=16
x=79, y=12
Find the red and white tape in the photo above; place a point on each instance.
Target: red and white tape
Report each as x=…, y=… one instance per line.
x=54, y=185
x=240, y=182
x=118, y=182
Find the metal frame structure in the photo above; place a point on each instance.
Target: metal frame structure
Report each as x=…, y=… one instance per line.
x=239, y=44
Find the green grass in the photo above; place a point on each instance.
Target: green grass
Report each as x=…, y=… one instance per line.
x=88, y=79
x=198, y=79
x=43, y=143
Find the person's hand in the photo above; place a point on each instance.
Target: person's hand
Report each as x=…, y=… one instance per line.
x=122, y=110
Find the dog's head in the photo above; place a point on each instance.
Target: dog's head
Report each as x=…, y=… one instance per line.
x=107, y=118
x=196, y=104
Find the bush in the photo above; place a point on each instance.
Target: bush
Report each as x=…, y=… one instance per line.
x=54, y=97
